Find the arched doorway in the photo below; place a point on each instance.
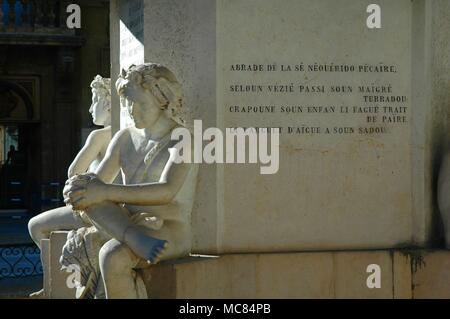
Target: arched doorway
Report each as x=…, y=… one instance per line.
x=19, y=145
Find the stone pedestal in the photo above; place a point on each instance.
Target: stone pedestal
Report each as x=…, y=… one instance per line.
x=55, y=280
x=404, y=275
x=363, y=179
x=45, y=257
x=431, y=277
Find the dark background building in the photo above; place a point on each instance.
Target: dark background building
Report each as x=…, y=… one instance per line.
x=45, y=72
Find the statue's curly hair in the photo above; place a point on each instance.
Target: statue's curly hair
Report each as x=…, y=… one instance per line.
x=161, y=83
x=103, y=87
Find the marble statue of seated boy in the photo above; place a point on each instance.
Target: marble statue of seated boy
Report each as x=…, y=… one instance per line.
x=153, y=185
x=87, y=160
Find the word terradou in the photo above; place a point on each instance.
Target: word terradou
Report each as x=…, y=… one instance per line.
x=234, y=148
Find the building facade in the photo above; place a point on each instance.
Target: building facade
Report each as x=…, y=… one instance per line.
x=45, y=72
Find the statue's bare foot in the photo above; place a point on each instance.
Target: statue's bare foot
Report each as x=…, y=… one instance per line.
x=38, y=294
x=146, y=247
x=158, y=254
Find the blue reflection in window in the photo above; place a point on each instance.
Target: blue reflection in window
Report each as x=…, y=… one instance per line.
x=19, y=12
x=5, y=9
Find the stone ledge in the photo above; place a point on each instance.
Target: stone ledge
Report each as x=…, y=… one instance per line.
x=404, y=275
x=55, y=286
x=281, y=275
x=332, y=274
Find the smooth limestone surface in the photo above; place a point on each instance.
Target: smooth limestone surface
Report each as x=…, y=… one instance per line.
x=332, y=191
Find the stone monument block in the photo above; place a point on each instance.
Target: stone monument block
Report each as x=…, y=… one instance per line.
x=285, y=275
x=404, y=275
x=360, y=111
x=431, y=277
x=58, y=278
x=45, y=257
x=182, y=36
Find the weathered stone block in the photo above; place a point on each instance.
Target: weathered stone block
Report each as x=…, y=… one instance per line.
x=56, y=279
x=283, y=275
x=431, y=275
x=45, y=257
x=332, y=191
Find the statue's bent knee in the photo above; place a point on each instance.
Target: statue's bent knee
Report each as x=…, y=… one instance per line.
x=37, y=229
x=115, y=255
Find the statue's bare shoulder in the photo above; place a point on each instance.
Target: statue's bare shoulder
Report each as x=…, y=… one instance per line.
x=99, y=139
x=121, y=143
x=102, y=132
x=121, y=138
